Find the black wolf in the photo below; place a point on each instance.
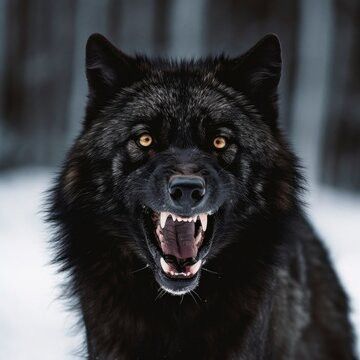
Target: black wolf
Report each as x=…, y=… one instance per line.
x=179, y=220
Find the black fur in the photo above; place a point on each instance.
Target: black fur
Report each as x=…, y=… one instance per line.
x=267, y=289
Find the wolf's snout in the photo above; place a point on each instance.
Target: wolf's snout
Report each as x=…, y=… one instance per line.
x=186, y=191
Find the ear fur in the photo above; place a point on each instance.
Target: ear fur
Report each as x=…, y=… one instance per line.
x=257, y=72
x=108, y=68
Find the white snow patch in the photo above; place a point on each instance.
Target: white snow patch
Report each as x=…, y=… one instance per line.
x=33, y=323
x=336, y=217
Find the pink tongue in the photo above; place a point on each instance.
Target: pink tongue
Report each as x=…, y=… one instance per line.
x=179, y=239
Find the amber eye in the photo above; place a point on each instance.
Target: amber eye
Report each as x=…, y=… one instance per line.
x=145, y=140
x=219, y=142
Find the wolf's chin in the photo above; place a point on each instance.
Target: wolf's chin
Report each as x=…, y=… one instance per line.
x=175, y=292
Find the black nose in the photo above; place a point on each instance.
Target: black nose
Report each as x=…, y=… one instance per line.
x=186, y=191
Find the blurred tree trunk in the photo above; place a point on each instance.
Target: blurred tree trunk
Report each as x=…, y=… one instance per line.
x=3, y=142
x=161, y=26
x=37, y=79
x=341, y=145
x=315, y=46
x=234, y=26
x=91, y=16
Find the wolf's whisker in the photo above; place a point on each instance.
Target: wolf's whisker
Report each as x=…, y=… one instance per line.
x=160, y=294
x=197, y=295
x=210, y=271
x=143, y=268
x=190, y=293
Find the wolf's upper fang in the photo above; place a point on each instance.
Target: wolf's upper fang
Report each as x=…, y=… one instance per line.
x=202, y=217
x=163, y=217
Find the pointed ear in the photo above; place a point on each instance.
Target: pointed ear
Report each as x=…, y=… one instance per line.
x=107, y=68
x=257, y=72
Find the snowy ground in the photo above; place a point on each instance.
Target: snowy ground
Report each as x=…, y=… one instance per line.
x=34, y=325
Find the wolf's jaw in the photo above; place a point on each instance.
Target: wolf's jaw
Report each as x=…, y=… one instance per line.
x=179, y=240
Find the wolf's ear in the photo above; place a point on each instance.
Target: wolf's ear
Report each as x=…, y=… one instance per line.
x=257, y=72
x=108, y=68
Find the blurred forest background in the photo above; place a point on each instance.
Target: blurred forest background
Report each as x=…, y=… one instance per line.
x=43, y=87
x=43, y=94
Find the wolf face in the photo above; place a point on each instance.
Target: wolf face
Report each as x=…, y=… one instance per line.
x=175, y=157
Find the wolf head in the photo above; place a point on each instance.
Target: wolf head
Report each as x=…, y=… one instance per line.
x=174, y=159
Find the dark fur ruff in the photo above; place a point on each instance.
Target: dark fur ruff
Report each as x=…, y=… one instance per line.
x=267, y=290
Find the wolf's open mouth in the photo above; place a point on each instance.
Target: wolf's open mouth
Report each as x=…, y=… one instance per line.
x=179, y=239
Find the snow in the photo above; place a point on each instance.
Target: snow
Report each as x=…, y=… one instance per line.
x=336, y=216
x=34, y=324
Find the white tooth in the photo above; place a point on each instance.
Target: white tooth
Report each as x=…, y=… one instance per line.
x=203, y=219
x=195, y=268
x=165, y=266
x=163, y=217
x=173, y=217
x=194, y=218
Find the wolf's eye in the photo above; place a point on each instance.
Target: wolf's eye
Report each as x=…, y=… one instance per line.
x=219, y=142
x=145, y=140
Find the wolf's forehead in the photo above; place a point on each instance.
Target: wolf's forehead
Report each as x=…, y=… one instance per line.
x=182, y=101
